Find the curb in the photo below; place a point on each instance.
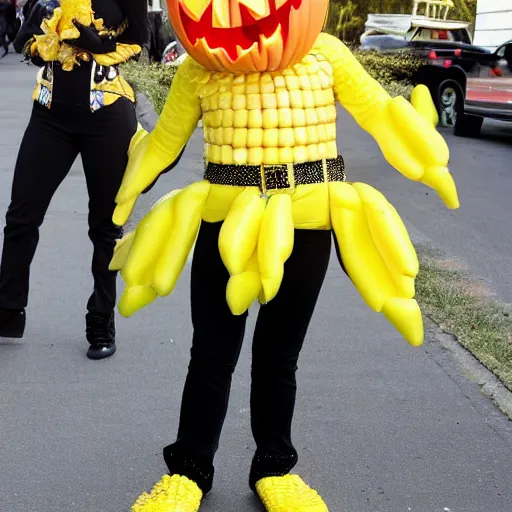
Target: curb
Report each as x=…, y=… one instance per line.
x=469, y=367
x=146, y=114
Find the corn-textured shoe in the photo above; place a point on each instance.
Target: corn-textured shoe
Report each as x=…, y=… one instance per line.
x=172, y=494
x=289, y=493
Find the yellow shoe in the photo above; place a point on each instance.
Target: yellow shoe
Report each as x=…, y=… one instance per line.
x=289, y=493
x=172, y=494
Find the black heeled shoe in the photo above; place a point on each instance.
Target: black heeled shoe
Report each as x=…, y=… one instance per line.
x=101, y=334
x=12, y=323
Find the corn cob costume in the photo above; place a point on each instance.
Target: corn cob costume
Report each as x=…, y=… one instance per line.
x=272, y=166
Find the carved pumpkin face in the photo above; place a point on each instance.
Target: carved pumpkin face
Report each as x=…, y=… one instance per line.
x=241, y=36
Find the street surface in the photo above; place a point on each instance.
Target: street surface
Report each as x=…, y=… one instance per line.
x=380, y=426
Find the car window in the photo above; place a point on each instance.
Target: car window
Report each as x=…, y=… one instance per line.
x=427, y=34
x=507, y=55
x=423, y=34
x=461, y=35
x=410, y=35
x=503, y=63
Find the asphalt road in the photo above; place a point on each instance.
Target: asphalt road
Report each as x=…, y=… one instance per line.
x=478, y=233
x=380, y=426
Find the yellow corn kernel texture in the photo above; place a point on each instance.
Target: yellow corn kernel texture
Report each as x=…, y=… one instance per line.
x=289, y=493
x=170, y=493
x=280, y=117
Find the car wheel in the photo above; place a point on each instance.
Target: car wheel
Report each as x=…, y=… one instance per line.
x=450, y=103
x=450, y=99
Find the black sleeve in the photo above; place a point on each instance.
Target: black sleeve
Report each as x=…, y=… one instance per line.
x=136, y=12
x=32, y=24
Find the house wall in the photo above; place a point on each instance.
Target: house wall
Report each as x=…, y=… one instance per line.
x=493, y=23
x=154, y=5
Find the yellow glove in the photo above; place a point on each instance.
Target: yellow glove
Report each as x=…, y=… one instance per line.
x=406, y=135
x=412, y=145
x=136, y=151
x=151, y=154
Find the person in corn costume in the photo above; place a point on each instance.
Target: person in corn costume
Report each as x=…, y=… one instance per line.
x=265, y=80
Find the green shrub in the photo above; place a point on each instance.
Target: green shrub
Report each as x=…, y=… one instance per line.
x=394, y=71
x=153, y=80
x=393, y=66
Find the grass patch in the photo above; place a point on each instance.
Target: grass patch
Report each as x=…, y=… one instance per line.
x=464, y=308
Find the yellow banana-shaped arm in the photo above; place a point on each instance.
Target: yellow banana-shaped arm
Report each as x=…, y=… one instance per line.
x=405, y=134
x=157, y=151
x=152, y=257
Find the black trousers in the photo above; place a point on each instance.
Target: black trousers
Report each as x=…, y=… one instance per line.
x=52, y=142
x=280, y=331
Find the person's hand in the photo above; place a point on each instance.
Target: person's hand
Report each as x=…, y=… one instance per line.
x=91, y=41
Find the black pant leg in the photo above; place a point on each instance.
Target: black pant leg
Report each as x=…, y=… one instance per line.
x=280, y=331
x=216, y=345
x=46, y=155
x=104, y=149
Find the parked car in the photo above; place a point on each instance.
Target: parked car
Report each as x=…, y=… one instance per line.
x=468, y=86
x=467, y=82
x=174, y=54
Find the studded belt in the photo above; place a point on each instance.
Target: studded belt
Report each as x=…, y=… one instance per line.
x=277, y=177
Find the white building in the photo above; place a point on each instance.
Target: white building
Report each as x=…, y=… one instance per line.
x=154, y=5
x=493, y=23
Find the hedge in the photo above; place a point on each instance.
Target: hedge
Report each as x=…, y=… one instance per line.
x=393, y=71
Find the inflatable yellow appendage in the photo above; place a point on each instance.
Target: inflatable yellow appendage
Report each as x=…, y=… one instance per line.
x=60, y=27
x=256, y=238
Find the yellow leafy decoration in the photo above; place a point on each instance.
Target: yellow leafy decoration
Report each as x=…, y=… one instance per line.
x=79, y=10
x=59, y=27
x=123, y=53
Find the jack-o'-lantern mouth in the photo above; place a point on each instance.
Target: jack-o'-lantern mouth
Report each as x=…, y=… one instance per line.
x=244, y=29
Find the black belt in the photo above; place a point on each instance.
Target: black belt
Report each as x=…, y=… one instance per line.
x=276, y=177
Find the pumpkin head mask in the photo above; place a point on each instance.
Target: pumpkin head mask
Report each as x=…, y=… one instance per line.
x=243, y=36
